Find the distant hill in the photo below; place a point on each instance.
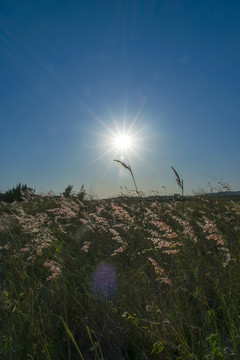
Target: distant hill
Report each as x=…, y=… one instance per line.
x=231, y=195
x=226, y=194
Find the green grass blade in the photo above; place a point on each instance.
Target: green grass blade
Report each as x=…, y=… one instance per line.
x=72, y=338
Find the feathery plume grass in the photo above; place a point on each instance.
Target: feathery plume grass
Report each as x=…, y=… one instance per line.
x=129, y=169
x=152, y=257
x=179, y=181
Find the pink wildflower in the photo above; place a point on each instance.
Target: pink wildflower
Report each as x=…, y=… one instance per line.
x=54, y=268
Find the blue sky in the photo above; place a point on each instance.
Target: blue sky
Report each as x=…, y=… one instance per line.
x=72, y=72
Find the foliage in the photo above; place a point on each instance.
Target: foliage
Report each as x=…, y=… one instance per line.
x=119, y=279
x=68, y=191
x=18, y=193
x=82, y=193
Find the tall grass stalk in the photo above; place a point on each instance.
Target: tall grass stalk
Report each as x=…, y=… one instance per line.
x=130, y=170
x=72, y=338
x=179, y=181
x=170, y=289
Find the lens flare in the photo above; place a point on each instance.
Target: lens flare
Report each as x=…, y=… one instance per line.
x=104, y=281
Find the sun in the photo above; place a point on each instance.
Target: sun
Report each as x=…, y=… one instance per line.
x=121, y=138
x=122, y=142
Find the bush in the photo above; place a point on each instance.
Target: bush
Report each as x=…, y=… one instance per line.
x=68, y=191
x=17, y=193
x=82, y=193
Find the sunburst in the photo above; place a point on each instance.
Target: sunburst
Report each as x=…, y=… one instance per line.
x=123, y=142
x=123, y=138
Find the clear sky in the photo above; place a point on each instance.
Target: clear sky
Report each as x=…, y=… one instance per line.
x=73, y=74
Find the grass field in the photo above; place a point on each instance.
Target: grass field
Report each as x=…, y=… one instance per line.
x=119, y=279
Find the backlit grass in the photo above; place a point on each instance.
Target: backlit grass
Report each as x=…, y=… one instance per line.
x=119, y=279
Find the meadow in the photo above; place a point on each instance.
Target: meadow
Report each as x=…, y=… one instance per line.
x=119, y=279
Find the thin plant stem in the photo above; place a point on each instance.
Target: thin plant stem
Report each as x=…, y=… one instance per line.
x=134, y=180
x=128, y=167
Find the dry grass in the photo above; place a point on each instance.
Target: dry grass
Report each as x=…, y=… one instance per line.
x=179, y=181
x=119, y=279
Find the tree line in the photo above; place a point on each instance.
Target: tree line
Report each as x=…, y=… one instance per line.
x=21, y=191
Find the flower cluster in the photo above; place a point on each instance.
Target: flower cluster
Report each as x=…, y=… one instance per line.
x=54, y=269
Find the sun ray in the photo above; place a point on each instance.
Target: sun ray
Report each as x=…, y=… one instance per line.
x=121, y=138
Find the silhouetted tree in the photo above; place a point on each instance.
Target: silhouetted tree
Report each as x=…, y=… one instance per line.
x=68, y=191
x=17, y=193
x=82, y=193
